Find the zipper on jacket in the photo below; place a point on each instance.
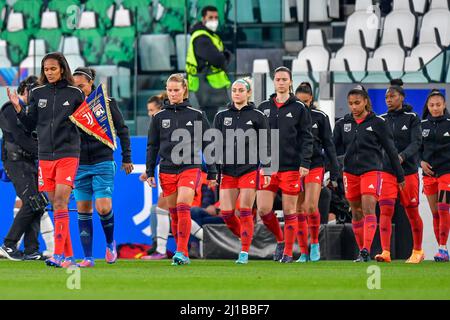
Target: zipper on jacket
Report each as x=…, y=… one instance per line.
x=52, y=122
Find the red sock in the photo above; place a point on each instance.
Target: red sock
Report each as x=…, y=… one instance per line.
x=68, y=251
x=290, y=231
x=436, y=225
x=61, y=218
x=232, y=222
x=174, y=223
x=270, y=220
x=184, y=227
x=443, y=223
x=314, y=226
x=358, y=230
x=370, y=227
x=247, y=226
x=416, y=226
x=387, y=208
x=302, y=233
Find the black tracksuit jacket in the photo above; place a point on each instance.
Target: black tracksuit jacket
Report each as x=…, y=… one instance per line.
x=363, y=144
x=435, y=147
x=234, y=120
x=49, y=109
x=293, y=121
x=15, y=135
x=405, y=126
x=323, y=143
x=160, y=134
x=94, y=151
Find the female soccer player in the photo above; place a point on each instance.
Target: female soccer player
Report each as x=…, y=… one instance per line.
x=239, y=178
x=160, y=212
x=95, y=176
x=295, y=148
x=361, y=136
x=49, y=109
x=405, y=126
x=180, y=158
x=435, y=163
x=308, y=199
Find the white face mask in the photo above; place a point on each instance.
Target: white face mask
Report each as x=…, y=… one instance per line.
x=212, y=25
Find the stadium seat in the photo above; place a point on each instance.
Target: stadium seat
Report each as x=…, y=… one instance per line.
x=271, y=11
x=438, y=18
x=170, y=18
x=143, y=10
x=402, y=20
x=4, y=61
x=318, y=11
x=439, y=4
x=287, y=5
x=31, y=10
x=16, y=37
x=120, y=80
x=71, y=50
x=350, y=61
x=424, y=52
x=314, y=57
x=104, y=10
x=67, y=13
x=155, y=51
x=244, y=12
x=49, y=30
x=364, y=20
x=91, y=40
x=119, y=46
x=181, y=44
x=420, y=6
x=262, y=66
x=2, y=13
x=36, y=51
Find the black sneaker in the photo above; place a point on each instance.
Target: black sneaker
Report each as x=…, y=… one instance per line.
x=364, y=256
x=11, y=253
x=286, y=259
x=34, y=256
x=278, y=252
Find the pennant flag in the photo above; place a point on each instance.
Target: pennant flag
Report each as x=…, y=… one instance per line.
x=94, y=117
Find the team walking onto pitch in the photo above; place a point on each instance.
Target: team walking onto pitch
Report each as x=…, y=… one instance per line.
x=250, y=153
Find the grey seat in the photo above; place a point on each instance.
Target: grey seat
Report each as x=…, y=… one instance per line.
x=318, y=11
x=438, y=18
x=363, y=19
x=182, y=44
x=36, y=51
x=314, y=57
x=4, y=61
x=155, y=51
x=71, y=50
x=402, y=20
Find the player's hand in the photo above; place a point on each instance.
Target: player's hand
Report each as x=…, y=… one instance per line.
x=143, y=177
x=127, y=167
x=266, y=181
x=212, y=183
x=426, y=167
x=14, y=98
x=151, y=182
x=303, y=172
x=401, y=185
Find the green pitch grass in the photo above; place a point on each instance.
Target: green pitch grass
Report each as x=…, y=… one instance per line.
x=222, y=279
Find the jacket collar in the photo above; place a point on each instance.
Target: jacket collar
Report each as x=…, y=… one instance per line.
x=292, y=98
x=349, y=117
x=403, y=109
x=59, y=84
x=183, y=105
x=249, y=106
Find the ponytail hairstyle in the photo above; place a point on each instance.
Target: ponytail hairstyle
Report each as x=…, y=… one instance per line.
x=179, y=77
x=88, y=73
x=360, y=90
x=433, y=93
x=285, y=69
x=158, y=99
x=63, y=64
x=305, y=87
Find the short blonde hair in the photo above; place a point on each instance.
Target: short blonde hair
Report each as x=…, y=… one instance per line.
x=179, y=77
